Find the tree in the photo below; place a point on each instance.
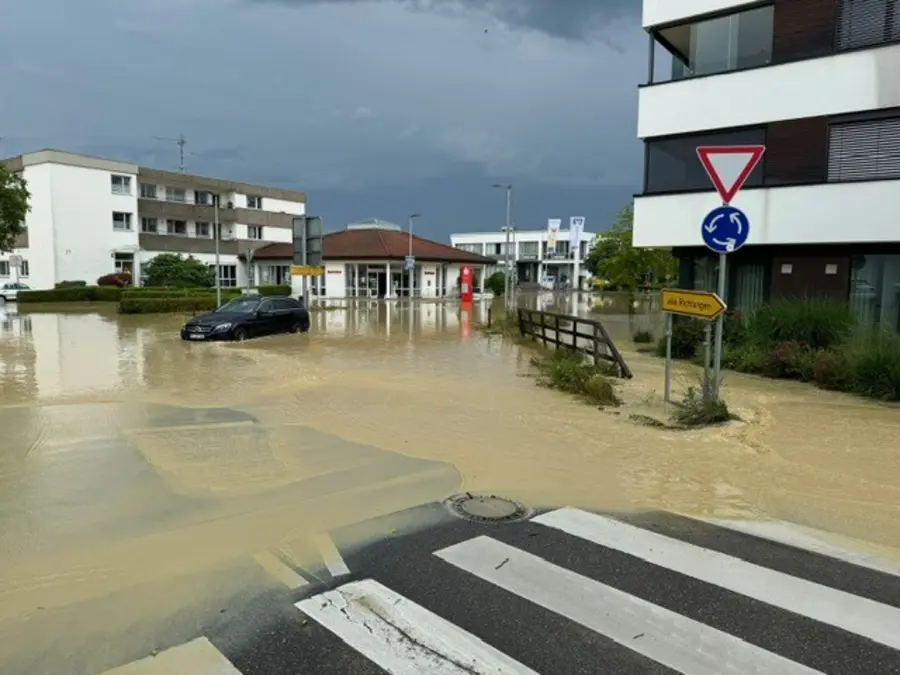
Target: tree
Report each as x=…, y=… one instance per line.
x=496, y=283
x=169, y=269
x=14, y=207
x=617, y=262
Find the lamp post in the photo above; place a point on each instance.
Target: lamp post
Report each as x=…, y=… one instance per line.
x=507, y=281
x=216, y=235
x=411, y=270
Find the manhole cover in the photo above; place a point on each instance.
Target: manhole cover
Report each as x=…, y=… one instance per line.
x=486, y=508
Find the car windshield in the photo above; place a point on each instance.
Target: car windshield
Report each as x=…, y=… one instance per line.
x=240, y=306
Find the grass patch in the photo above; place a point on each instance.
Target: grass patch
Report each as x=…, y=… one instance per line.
x=570, y=372
x=696, y=410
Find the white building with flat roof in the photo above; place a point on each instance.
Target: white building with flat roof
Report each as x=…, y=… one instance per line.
x=818, y=83
x=528, y=251
x=90, y=217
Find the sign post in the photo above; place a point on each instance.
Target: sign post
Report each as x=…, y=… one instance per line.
x=701, y=305
x=726, y=229
x=307, y=250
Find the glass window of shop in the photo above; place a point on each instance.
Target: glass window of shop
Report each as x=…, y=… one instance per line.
x=875, y=290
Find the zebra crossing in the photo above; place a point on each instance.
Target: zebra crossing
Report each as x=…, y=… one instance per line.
x=570, y=592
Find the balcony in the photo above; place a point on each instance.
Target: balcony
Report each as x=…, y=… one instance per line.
x=182, y=243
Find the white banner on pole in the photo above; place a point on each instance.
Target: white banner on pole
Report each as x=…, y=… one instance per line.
x=576, y=229
x=553, y=226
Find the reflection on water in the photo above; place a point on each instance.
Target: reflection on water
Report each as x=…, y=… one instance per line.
x=132, y=463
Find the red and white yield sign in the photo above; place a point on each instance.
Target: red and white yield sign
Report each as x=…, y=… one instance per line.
x=729, y=166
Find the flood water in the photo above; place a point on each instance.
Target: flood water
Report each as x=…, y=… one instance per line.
x=139, y=475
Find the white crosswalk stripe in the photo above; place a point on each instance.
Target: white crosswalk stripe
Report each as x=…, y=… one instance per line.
x=400, y=635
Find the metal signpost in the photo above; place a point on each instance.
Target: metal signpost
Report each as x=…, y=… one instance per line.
x=726, y=229
x=307, y=251
x=696, y=305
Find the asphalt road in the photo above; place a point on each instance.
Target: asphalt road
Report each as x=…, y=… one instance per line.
x=565, y=592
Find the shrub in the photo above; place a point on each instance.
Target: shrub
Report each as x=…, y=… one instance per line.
x=172, y=270
x=744, y=358
x=569, y=371
x=787, y=360
x=73, y=294
x=687, y=336
x=642, y=337
x=696, y=410
x=818, y=324
x=875, y=364
x=496, y=283
x=832, y=369
x=172, y=304
x=71, y=284
x=118, y=279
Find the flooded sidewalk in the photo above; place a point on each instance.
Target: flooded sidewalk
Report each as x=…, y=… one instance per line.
x=132, y=460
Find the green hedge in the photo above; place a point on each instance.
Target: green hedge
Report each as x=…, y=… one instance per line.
x=115, y=294
x=171, y=304
x=810, y=340
x=72, y=294
x=71, y=284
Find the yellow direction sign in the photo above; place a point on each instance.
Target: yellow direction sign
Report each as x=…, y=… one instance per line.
x=696, y=304
x=306, y=271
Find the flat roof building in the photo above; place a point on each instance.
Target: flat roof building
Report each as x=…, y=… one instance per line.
x=816, y=82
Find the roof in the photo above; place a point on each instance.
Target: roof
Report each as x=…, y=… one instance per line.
x=376, y=244
x=374, y=224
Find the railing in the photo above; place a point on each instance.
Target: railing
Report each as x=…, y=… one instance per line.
x=564, y=331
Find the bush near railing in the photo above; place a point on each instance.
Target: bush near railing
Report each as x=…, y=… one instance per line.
x=115, y=294
x=71, y=284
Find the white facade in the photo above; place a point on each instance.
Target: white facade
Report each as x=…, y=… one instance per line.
x=859, y=76
x=528, y=251
x=85, y=222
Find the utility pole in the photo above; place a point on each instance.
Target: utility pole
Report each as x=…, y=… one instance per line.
x=507, y=280
x=216, y=234
x=181, y=141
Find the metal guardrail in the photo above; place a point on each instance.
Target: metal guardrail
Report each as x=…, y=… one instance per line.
x=565, y=331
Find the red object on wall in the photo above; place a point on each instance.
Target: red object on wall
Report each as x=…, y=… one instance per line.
x=465, y=284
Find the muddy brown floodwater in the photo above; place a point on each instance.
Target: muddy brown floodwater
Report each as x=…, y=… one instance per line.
x=139, y=475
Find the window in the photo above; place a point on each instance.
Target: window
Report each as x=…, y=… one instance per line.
x=470, y=248
x=673, y=166
x=254, y=202
x=868, y=150
x=227, y=275
x=202, y=229
x=741, y=40
x=175, y=194
x=863, y=23
x=149, y=225
x=529, y=250
x=121, y=221
x=24, y=269
x=202, y=197
x=4, y=268
x=148, y=191
x=178, y=227
x=121, y=185
x=254, y=232
x=875, y=290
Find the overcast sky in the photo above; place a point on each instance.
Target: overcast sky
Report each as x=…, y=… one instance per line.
x=374, y=107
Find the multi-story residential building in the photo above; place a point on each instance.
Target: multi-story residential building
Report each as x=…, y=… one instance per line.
x=92, y=216
x=818, y=83
x=528, y=250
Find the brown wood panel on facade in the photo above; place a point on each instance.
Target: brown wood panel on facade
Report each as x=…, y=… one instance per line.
x=186, y=245
x=796, y=151
x=157, y=208
x=795, y=276
x=217, y=185
x=803, y=29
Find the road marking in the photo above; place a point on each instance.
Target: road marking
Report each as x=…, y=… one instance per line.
x=680, y=643
x=197, y=657
x=331, y=556
x=807, y=539
x=844, y=610
x=271, y=564
x=403, y=637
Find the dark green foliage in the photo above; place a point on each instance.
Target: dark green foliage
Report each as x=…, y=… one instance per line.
x=171, y=304
x=170, y=269
x=71, y=284
x=496, y=283
x=72, y=294
x=642, y=337
x=569, y=371
x=695, y=410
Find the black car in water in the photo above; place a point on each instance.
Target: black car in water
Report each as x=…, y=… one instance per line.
x=248, y=316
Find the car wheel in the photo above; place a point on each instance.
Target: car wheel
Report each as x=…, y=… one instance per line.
x=296, y=327
x=239, y=334
x=305, y=327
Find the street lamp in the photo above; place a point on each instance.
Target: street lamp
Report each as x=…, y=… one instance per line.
x=217, y=234
x=507, y=282
x=412, y=217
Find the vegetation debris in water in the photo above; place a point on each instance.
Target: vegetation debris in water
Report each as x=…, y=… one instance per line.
x=699, y=410
x=569, y=371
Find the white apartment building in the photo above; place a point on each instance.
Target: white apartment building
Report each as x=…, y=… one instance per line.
x=818, y=83
x=91, y=217
x=528, y=250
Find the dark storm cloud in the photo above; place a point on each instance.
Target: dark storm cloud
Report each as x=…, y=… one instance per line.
x=568, y=19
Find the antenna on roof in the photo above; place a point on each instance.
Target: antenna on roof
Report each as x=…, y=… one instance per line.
x=181, y=141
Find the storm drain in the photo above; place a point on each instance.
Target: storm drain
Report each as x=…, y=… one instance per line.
x=486, y=508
